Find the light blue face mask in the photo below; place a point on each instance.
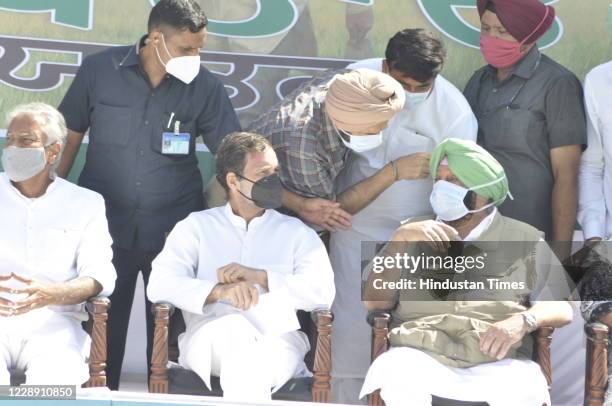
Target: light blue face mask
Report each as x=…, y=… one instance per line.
x=447, y=199
x=414, y=99
x=23, y=163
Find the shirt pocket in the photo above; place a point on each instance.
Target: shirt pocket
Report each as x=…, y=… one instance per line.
x=187, y=126
x=111, y=125
x=515, y=133
x=60, y=247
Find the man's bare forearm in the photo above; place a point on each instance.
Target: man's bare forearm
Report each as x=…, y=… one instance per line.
x=292, y=201
x=69, y=153
x=359, y=196
x=382, y=299
x=552, y=314
x=77, y=291
x=564, y=206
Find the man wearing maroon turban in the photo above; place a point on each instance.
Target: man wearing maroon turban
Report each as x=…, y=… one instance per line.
x=530, y=115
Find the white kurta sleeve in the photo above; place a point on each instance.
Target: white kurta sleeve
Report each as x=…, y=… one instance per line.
x=173, y=274
x=591, y=200
x=465, y=127
x=94, y=254
x=311, y=286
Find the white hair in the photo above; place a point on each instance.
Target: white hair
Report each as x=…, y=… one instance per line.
x=51, y=123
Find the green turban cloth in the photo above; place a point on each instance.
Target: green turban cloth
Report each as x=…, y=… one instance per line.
x=473, y=166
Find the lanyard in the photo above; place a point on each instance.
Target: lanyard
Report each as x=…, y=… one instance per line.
x=510, y=104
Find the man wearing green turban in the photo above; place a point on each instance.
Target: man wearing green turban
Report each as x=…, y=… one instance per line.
x=473, y=166
x=452, y=345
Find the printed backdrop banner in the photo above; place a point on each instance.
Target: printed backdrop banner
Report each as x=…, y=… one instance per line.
x=263, y=49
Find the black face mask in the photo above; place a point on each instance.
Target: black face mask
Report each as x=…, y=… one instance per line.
x=266, y=193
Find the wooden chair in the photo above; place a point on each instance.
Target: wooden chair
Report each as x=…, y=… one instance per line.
x=585, y=267
x=96, y=327
x=380, y=343
x=169, y=377
x=596, y=374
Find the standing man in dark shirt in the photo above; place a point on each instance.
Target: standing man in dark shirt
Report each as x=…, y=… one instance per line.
x=144, y=106
x=530, y=115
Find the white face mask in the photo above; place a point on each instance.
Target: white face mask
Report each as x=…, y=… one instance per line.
x=362, y=143
x=447, y=200
x=184, y=68
x=414, y=99
x=23, y=163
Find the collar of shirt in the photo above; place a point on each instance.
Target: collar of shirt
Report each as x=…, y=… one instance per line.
x=4, y=179
x=241, y=223
x=132, y=57
x=481, y=228
x=525, y=68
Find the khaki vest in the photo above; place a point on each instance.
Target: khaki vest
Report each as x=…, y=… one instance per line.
x=449, y=330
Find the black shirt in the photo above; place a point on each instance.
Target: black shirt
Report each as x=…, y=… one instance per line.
x=539, y=107
x=146, y=192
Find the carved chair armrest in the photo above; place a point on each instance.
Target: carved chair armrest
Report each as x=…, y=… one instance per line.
x=379, y=320
x=158, y=382
x=596, y=381
x=97, y=307
x=543, y=339
x=321, y=386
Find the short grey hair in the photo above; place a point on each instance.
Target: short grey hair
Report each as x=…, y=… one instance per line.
x=51, y=122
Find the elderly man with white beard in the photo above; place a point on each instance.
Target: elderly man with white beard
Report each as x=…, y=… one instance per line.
x=55, y=253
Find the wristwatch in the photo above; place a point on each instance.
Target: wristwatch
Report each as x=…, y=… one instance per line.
x=530, y=322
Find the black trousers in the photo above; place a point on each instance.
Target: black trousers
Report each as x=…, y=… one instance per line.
x=128, y=265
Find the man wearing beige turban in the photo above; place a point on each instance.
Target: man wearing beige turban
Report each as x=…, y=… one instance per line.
x=315, y=128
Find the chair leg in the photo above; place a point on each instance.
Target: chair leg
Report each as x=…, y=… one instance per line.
x=158, y=382
x=321, y=386
x=380, y=344
x=98, y=308
x=597, y=364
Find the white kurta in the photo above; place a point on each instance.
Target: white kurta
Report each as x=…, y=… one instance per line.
x=595, y=197
x=57, y=237
x=221, y=339
x=444, y=114
x=409, y=376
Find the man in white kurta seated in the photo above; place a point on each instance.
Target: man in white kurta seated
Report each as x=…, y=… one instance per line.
x=239, y=273
x=472, y=343
x=55, y=253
